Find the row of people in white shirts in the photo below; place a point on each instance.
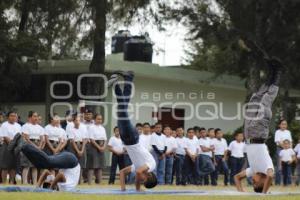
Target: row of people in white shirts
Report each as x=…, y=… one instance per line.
x=53, y=132
x=180, y=144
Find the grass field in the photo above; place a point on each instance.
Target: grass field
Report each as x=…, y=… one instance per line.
x=66, y=196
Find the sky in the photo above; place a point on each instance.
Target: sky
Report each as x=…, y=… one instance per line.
x=168, y=45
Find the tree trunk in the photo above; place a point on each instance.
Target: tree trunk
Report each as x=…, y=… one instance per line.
x=95, y=86
x=49, y=37
x=24, y=15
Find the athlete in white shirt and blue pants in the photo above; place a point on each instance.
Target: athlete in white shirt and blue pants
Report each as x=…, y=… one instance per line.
x=221, y=150
x=180, y=156
x=68, y=176
x=171, y=148
x=159, y=148
x=237, y=159
x=143, y=162
x=287, y=157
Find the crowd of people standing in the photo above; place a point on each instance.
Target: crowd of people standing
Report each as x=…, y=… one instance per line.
x=182, y=156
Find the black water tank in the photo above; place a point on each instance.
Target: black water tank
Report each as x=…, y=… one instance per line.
x=118, y=40
x=138, y=48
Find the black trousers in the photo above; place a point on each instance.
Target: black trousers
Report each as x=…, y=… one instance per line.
x=189, y=171
x=115, y=161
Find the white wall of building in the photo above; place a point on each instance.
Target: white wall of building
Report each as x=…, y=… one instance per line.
x=195, y=99
x=153, y=93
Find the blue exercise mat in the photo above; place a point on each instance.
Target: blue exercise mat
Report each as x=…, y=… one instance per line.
x=111, y=191
x=23, y=189
x=97, y=191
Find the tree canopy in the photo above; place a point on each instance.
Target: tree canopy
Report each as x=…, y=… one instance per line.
x=217, y=28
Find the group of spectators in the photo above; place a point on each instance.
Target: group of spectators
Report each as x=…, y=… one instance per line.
x=182, y=156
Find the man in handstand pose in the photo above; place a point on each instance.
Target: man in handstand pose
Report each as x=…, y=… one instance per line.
x=256, y=131
x=67, y=163
x=143, y=162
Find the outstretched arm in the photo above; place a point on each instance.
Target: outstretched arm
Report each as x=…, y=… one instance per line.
x=140, y=176
x=43, y=178
x=268, y=182
x=123, y=174
x=59, y=178
x=238, y=180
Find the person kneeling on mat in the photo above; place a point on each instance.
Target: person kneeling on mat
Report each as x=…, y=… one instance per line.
x=256, y=131
x=143, y=162
x=67, y=163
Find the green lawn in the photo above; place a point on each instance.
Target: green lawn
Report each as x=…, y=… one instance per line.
x=65, y=196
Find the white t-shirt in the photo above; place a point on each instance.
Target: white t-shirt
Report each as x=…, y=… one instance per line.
x=72, y=177
x=139, y=157
x=77, y=134
x=55, y=133
x=297, y=150
x=88, y=124
x=286, y=155
x=116, y=144
x=237, y=149
x=34, y=131
x=69, y=126
x=192, y=146
x=145, y=140
x=181, y=144
x=159, y=141
x=258, y=162
x=10, y=130
x=280, y=136
x=97, y=132
x=220, y=146
x=205, y=143
x=171, y=144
